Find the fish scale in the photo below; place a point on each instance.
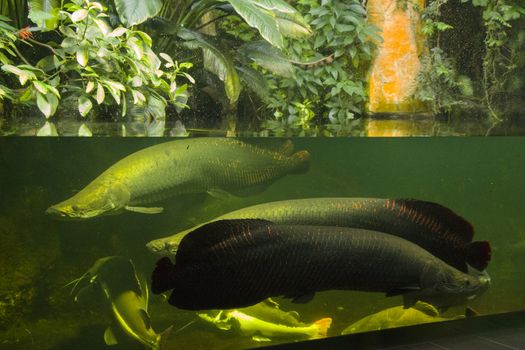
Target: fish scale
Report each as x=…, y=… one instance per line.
x=180, y=167
x=293, y=261
x=429, y=225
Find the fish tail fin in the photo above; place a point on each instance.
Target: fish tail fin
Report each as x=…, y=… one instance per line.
x=479, y=254
x=322, y=327
x=302, y=162
x=163, y=338
x=163, y=276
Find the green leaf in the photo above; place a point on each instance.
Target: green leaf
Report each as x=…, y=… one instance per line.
x=43, y=104
x=133, y=12
x=274, y=5
x=23, y=75
x=216, y=61
x=44, y=13
x=259, y=18
x=292, y=25
x=40, y=87
x=84, y=105
x=254, y=81
x=82, y=56
x=48, y=129
x=84, y=131
x=100, y=93
x=79, y=15
x=268, y=57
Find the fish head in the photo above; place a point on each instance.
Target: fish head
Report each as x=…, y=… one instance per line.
x=448, y=286
x=91, y=202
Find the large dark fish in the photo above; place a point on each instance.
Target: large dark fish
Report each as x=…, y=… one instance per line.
x=180, y=167
x=429, y=225
x=235, y=263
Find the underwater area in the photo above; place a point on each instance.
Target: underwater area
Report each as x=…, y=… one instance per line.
x=480, y=179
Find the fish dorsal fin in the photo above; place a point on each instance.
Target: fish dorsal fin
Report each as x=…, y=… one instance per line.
x=222, y=237
x=287, y=148
x=303, y=298
x=434, y=217
x=426, y=308
x=109, y=337
x=145, y=318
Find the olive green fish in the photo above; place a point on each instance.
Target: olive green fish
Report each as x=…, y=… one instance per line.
x=127, y=294
x=398, y=316
x=429, y=225
x=198, y=165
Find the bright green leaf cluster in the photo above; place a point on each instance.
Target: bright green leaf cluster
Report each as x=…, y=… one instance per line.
x=96, y=65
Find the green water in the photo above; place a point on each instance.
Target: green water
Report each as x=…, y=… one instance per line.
x=479, y=178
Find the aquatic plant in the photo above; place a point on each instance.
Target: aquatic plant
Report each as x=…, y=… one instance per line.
x=328, y=84
x=95, y=67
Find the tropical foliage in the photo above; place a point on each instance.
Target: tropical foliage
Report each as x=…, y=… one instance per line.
x=274, y=20
x=500, y=54
x=96, y=68
x=328, y=82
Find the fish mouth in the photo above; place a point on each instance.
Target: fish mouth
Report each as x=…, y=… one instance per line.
x=56, y=212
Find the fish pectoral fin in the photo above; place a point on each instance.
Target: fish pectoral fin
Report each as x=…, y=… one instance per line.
x=221, y=194
x=470, y=312
x=144, y=210
x=109, y=337
x=402, y=290
x=409, y=301
x=145, y=318
x=426, y=308
x=259, y=338
x=270, y=302
x=303, y=298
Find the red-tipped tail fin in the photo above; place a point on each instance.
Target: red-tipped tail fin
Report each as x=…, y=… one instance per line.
x=479, y=254
x=322, y=326
x=302, y=162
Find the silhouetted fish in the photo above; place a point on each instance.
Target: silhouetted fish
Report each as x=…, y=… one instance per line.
x=431, y=226
x=234, y=263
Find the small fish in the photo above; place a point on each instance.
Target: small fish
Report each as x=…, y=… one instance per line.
x=429, y=225
x=127, y=294
x=262, y=330
x=173, y=168
x=397, y=317
x=247, y=261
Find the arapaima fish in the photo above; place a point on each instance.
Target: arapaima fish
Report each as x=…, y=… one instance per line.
x=429, y=225
x=235, y=263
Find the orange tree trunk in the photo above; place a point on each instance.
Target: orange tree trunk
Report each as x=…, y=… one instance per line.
x=395, y=68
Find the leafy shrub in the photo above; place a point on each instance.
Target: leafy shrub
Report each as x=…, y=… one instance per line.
x=328, y=84
x=95, y=67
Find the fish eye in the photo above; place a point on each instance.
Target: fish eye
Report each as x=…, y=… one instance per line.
x=74, y=207
x=467, y=282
